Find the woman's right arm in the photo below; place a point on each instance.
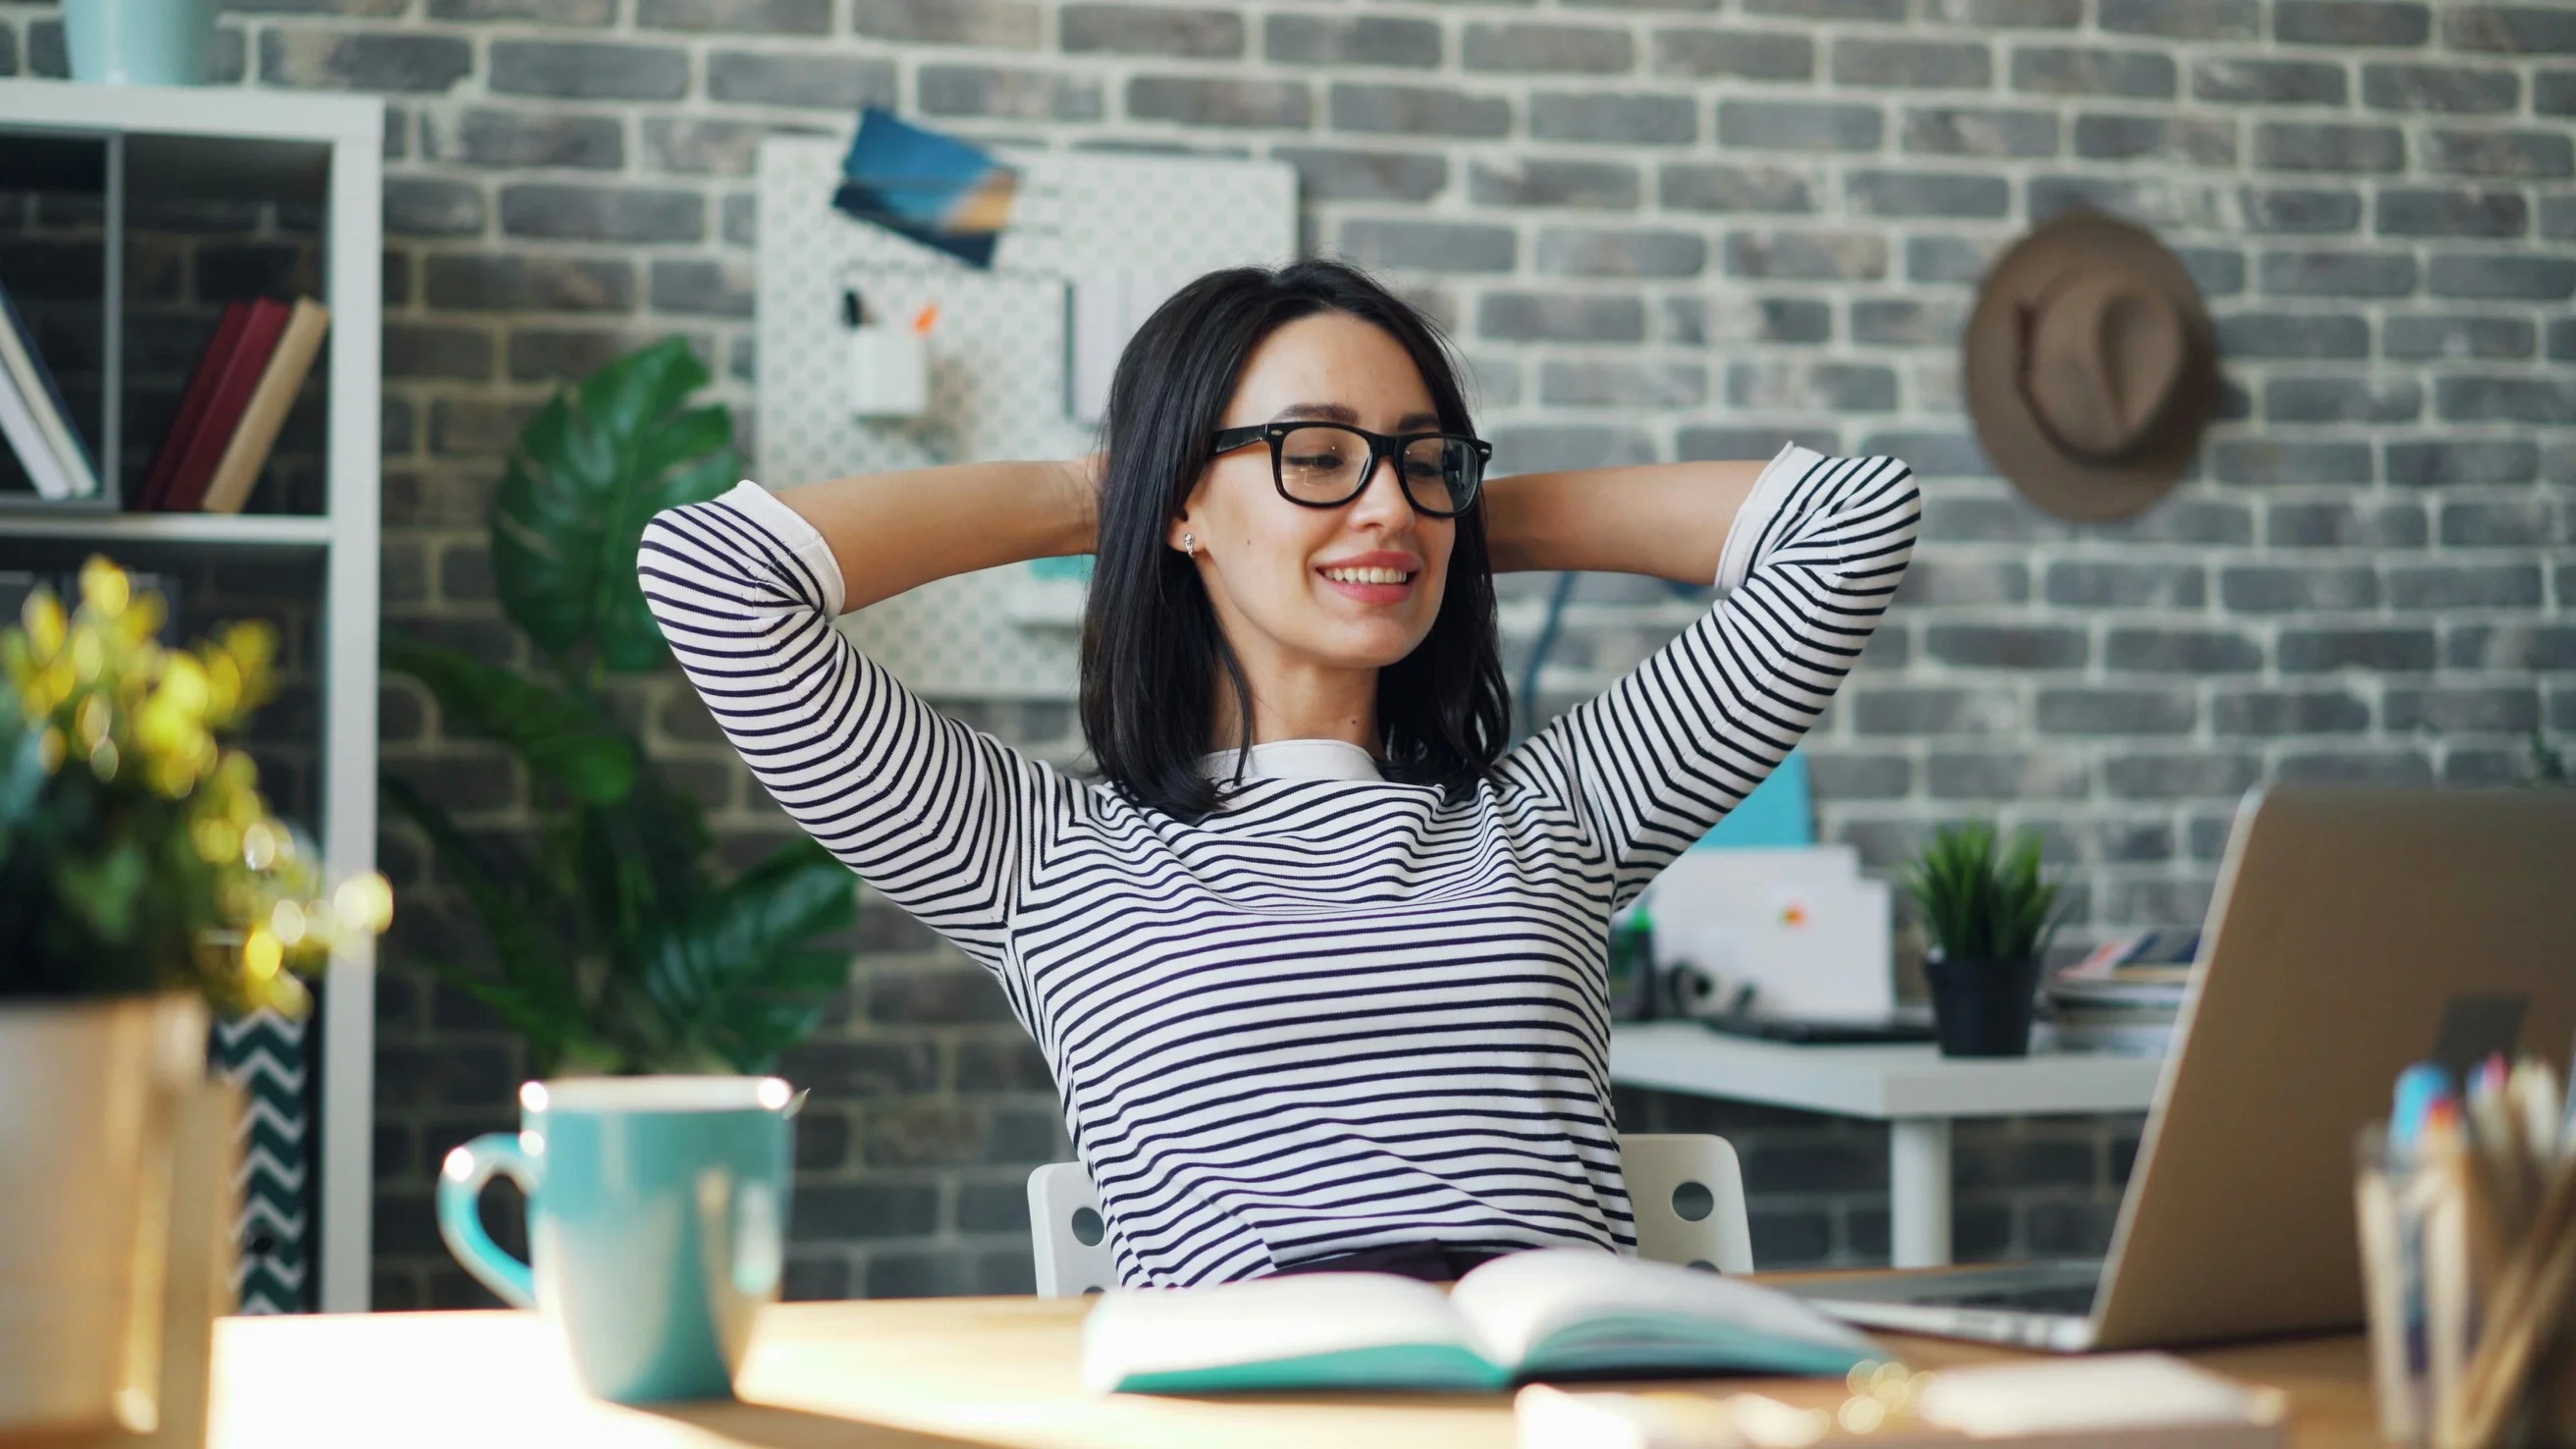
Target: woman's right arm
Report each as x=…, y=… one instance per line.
x=941, y=819
x=897, y=531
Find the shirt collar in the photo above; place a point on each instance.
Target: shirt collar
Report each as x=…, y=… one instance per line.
x=1295, y=760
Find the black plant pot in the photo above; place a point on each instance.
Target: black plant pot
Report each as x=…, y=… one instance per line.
x=1982, y=1008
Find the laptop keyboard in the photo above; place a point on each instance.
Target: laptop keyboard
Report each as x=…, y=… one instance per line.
x=2073, y=1300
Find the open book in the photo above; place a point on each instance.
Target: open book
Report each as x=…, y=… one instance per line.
x=1557, y=1312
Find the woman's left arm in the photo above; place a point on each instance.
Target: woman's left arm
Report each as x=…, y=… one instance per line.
x=1668, y=520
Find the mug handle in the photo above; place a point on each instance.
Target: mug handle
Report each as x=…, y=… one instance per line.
x=460, y=1184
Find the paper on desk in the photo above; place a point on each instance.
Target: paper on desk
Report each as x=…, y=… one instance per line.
x=2115, y=1391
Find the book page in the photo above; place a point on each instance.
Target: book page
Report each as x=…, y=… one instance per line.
x=1183, y=1339
x=1518, y=1305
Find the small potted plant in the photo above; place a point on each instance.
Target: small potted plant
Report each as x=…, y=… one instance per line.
x=143, y=880
x=1991, y=914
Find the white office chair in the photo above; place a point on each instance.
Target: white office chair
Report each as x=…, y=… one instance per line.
x=1687, y=1190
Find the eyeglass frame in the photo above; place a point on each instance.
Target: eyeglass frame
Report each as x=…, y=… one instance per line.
x=1382, y=447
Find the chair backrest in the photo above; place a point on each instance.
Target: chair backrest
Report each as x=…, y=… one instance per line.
x=1687, y=1190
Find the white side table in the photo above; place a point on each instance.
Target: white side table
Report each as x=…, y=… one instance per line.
x=1915, y=1090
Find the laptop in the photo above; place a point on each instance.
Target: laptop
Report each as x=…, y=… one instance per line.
x=2352, y=932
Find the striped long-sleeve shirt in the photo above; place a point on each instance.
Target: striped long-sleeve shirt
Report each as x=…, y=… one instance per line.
x=1337, y=1014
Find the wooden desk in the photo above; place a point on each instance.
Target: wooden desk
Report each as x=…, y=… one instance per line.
x=919, y=1373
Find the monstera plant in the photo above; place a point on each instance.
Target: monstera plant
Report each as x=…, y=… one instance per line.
x=615, y=944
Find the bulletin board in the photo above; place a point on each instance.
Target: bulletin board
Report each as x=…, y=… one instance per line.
x=998, y=360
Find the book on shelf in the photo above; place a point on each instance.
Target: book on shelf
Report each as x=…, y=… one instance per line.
x=1528, y=1315
x=192, y=407
x=279, y=383
x=229, y=418
x=34, y=419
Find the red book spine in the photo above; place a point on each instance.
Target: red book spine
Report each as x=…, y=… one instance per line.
x=192, y=407
x=260, y=331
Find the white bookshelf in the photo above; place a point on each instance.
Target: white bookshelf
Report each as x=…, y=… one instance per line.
x=251, y=142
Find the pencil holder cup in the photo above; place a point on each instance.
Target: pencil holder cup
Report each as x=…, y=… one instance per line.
x=2389, y=1214
x=140, y=42
x=889, y=372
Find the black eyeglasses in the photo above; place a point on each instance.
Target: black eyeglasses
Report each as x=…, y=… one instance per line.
x=1325, y=465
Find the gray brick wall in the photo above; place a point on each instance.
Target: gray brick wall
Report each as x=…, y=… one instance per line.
x=1659, y=230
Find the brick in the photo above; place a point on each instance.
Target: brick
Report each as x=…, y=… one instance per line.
x=553, y=354
x=2355, y=767
x=2102, y=584
x=2154, y=201
x=2008, y=775
x=2304, y=146
x=2562, y=340
x=2181, y=651
x=363, y=61
x=2245, y=80
x=1948, y=580
x=1948, y=455
x=1588, y=252
x=2271, y=713
x=1931, y=710
x=2558, y=217
x=2463, y=460
x=2396, y=650
x=2010, y=14
x=1860, y=777
x=999, y=91
x=1337, y=175
x=2350, y=22
x=517, y=282
x=2191, y=520
x=1539, y=449
x=1230, y=102
x=2105, y=711
x=2345, y=525
x=1892, y=11
x=2511, y=29
x=1807, y=256
x=1345, y=40
x=1988, y=646
x=598, y=213
x=1945, y=259
x=1799, y=125
x=758, y=17
x=1828, y=386
x=2455, y=89
x=1702, y=321
x=702, y=287
x=1620, y=118
x=1430, y=246
x=833, y=1212
x=432, y=206
x=1149, y=30
x=2289, y=588
x=2445, y=211
x=2457, y=586
x=2336, y=273
x=2250, y=336
x=2553, y=93
x=1919, y=193
x=2124, y=138
x=2202, y=773
x=2519, y=644
x=588, y=70
x=2518, y=523
x=1754, y=444
x=1703, y=186
x=1958, y=131
x=2342, y=400
x=1912, y=64
x=1589, y=185
x=483, y=137
x=2069, y=71
x=1906, y=322
x=1736, y=54
x=2184, y=19
x=2463, y=711
x=437, y=352
x=1418, y=111
x=1560, y=317
x=2415, y=339
x=1528, y=49
x=1009, y=24
x=548, y=12
x=2506, y=399
x=1595, y=383
x=2528, y=154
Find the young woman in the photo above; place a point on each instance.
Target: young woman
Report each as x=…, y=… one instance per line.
x=1318, y=962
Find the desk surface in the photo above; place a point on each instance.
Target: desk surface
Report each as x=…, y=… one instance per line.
x=912, y=1374
x=1896, y=1081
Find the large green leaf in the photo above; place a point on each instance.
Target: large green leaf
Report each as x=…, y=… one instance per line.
x=740, y=976
x=564, y=738
x=592, y=468
x=535, y=989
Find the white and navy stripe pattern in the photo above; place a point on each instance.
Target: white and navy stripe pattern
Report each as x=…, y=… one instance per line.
x=1338, y=1014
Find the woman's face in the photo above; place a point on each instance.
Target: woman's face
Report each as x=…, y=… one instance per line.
x=1354, y=587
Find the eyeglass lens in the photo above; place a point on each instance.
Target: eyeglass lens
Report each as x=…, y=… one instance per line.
x=1329, y=465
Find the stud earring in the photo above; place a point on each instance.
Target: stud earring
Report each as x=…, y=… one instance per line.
x=1190, y=544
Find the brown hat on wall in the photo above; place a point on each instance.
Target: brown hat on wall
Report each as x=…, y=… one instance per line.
x=2091, y=367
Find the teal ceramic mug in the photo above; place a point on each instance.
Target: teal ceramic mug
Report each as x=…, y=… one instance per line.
x=657, y=1223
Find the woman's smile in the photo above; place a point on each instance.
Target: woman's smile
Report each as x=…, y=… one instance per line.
x=1381, y=577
